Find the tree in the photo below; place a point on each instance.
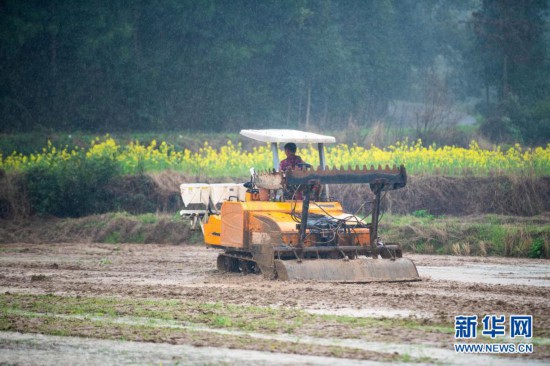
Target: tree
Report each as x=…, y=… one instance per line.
x=437, y=111
x=512, y=59
x=511, y=44
x=218, y=64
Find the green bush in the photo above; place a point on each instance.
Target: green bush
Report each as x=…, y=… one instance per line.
x=537, y=249
x=537, y=130
x=513, y=121
x=74, y=189
x=423, y=214
x=503, y=119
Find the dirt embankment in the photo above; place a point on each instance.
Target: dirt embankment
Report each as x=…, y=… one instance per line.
x=109, y=228
x=438, y=195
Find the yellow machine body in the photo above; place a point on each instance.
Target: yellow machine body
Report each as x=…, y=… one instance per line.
x=252, y=234
x=241, y=224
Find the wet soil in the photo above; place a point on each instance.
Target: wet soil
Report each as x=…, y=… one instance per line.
x=45, y=350
x=450, y=286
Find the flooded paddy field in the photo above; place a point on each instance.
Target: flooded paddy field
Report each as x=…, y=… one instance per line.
x=102, y=303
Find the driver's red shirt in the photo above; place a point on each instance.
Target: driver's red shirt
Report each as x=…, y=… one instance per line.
x=290, y=162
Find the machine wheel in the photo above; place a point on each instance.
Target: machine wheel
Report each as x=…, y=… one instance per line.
x=390, y=251
x=385, y=253
x=227, y=264
x=246, y=267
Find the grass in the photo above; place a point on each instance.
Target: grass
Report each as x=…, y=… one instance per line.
x=423, y=233
x=487, y=235
x=218, y=325
x=103, y=328
x=105, y=262
x=390, y=323
x=112, y=238
x=149, y=218
x=216, y=315
x=183, y=321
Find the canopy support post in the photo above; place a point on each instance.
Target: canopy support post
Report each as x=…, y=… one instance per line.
x=275, y=152
x=323, y=164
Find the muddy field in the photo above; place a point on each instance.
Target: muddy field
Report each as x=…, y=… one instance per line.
x=125, y=298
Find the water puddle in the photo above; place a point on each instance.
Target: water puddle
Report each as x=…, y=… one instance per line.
x=493, y=274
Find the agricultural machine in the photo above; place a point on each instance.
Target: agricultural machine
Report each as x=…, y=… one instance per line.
x=286, y=225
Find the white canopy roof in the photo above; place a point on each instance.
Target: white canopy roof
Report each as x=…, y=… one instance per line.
x=276, y=135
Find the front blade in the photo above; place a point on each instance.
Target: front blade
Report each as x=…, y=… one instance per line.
x=354, y=270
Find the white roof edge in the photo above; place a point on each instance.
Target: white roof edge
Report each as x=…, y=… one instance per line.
x=282, y=135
